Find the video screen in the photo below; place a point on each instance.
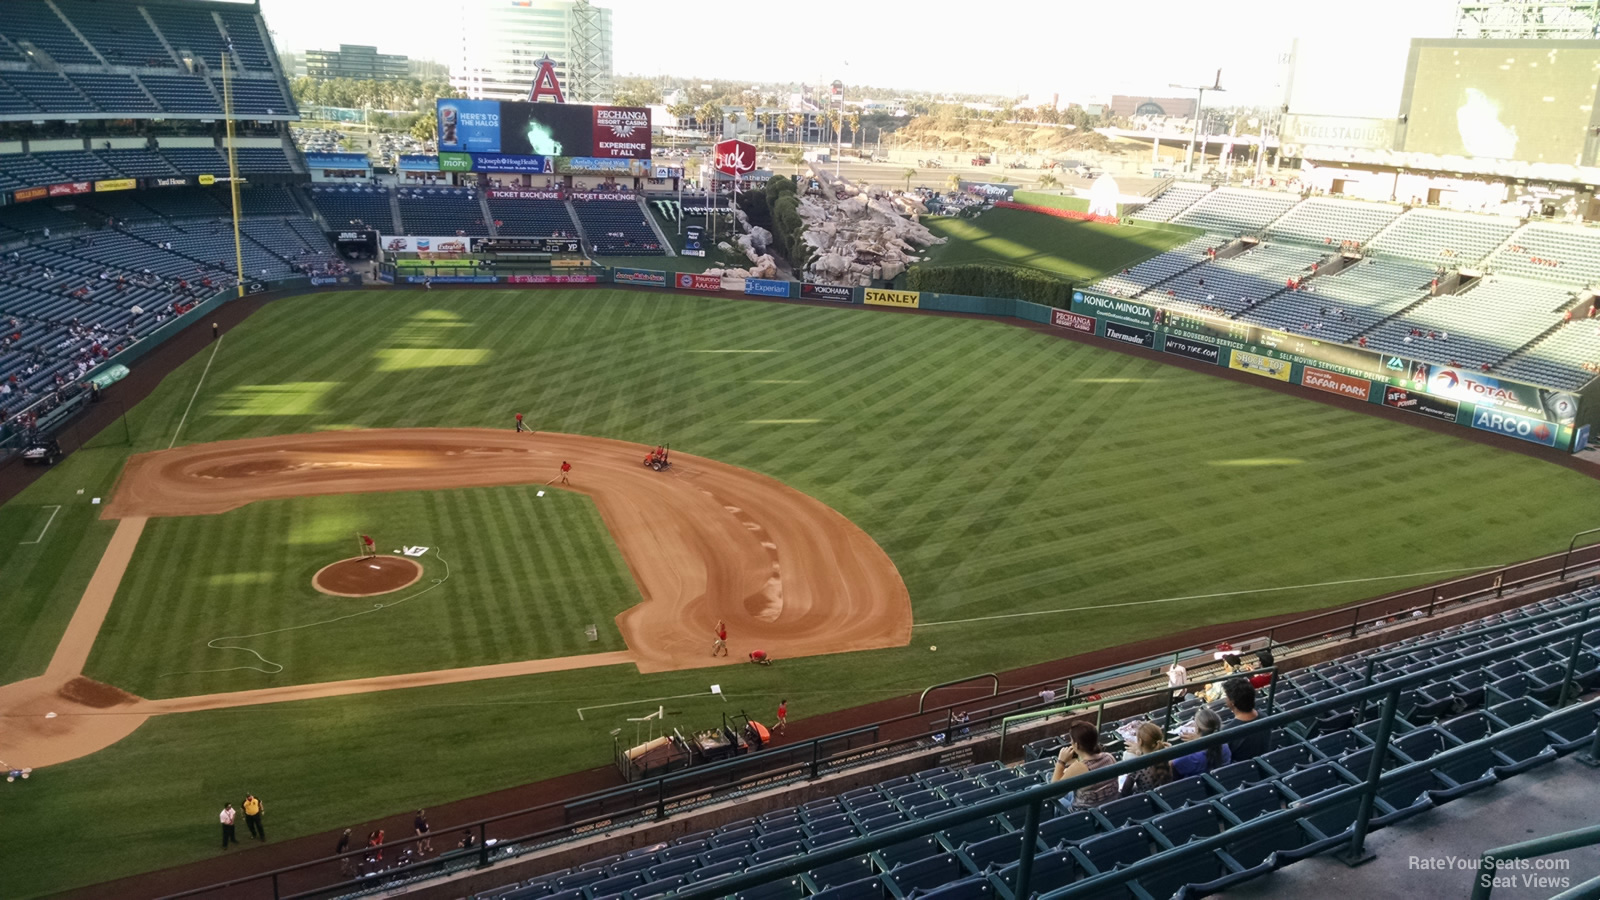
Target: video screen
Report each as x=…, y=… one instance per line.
x=543, y=129
x=1531, y=101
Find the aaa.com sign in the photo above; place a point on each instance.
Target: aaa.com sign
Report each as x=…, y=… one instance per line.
x=734, y=157
x=690, y=282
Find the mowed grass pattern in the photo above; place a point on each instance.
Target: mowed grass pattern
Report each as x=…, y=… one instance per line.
x=1080, y=252
x=1005, y=472
x=523, y=578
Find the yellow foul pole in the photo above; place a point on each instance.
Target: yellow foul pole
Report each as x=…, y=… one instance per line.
x=233, y=172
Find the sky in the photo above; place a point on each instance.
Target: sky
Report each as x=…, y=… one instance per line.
x=1079, y=49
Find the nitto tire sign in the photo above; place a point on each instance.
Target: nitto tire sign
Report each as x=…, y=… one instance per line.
x=1440, y=408
x=1513, y=425
x=1124, y=334
x=1200, y=350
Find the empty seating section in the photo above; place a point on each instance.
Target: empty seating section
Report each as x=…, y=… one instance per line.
x=269, y=200
x=1232, y=211
x=32, y=218
x=114, y=93
x=50, y=92
x=1568, y=357
x=289, y=243
x=1465, y=706
x=531, y=218
x=617, y=228
x=256, y=96
x=18, y=170
x=119, y=31
x=196, y=160
x=190, y=30
x=36, y=23
x=188, y=203
x=1236, y=283
x=13, y=103
x=1172, y=201
x=1480, y=325
x=441, y=211
x=138, y=163
x=262, y=160
x=1340, y=306
x=182, y=93
x=78, y=165
x=347, y=205
x=212, y=244
x=1332, y=223
x=1551, y=253
x=1449, y=239
x=1160, y=268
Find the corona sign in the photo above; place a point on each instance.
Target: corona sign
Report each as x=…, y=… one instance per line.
x=545, y=83
x=734, y=158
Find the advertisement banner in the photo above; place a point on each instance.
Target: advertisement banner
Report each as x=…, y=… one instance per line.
x=320, y=280
x=168, y=181
x=1580, y=441
x=1127, y=334
x=988, y=189
x=602, y=196
x=1443, y=409
x=455, y=162
x=1112, y=308
x=27, y=194
x=1499, y=421
x=1334, y=383
x=1485, y=390
x=116, y=184
x=502, y=162
x=551, y=279
x=526, y=245
x=1193, y=349
x=902, y=299
x=590, y=165
x=71, y=187
x=1064, y=319
x=1339, y=358
x=647, y=277
x=733, y=157
x=1256, y=364
x=838, y=293
x=503, y=194
x=690, y=282
x=206, y=180
x=450, y=279
x=466, y=126
x=426, y=246
x=622, y=132
x=255, y=287
x=766, y=287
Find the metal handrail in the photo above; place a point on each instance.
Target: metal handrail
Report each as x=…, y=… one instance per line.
x=1489, y=862
x=1035, y=797
x=1570, y=545
x=931, y=689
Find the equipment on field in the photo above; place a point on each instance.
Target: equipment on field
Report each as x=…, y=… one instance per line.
x=42, y=452
x=658, y=459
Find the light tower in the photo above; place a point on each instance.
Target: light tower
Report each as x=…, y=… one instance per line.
x=589, y=63
x=1509, y=19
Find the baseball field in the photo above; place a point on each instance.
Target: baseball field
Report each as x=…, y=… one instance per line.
x=1003, y=494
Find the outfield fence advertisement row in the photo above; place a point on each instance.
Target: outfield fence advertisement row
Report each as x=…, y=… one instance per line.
x=1444, y=393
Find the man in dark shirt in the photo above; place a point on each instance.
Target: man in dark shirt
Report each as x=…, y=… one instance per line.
x=1242, y=701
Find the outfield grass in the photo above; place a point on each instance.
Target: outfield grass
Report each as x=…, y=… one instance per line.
x=1080, y=252
x=524, y=577
x=1003, y=470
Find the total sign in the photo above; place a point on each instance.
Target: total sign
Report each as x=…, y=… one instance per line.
x=734, y=157
x=1535, y=430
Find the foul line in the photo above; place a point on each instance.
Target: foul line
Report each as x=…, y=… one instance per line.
x=215, y=643
x=214, y=348
x=55, y=509
x=1291, y=587
x=649, y=700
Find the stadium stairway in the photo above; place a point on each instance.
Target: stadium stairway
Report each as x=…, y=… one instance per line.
x=583, y=233
x=655, y=226
x=394, y=210
x=488, y=215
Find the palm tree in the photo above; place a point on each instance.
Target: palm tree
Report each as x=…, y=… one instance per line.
x=796, y=158
x=766, y=125
x=835, y=122
x=855, y=128
x=797, y=121
x=750, y=111
x=1047, y=182
x=909, y=174
x=710, y=113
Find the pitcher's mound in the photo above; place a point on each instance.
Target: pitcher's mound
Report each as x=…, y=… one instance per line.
x=93, y=694
x=366, y=576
